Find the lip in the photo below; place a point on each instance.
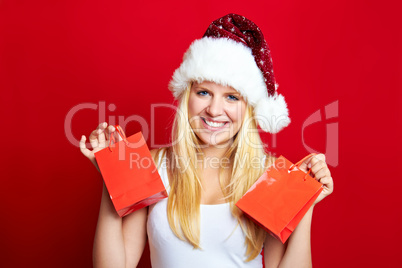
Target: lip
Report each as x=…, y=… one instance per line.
x=209, y=119
x=213, y=128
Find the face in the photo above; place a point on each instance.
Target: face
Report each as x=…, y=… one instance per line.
x=216, y=112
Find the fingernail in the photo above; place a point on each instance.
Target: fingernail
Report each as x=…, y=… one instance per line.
x=309, y=165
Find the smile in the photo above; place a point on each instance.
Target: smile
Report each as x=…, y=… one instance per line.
x=213, y=125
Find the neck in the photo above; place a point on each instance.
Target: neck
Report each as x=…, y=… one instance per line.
x=213, y=158
x=212, y=151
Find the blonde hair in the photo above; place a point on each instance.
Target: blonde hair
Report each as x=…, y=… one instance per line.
x=183, y=208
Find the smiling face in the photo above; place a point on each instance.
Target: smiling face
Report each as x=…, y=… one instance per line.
x=216, y=112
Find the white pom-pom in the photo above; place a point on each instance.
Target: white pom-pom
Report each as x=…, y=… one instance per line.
x=272, y=114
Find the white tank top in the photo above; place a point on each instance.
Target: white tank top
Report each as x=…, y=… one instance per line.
x=221, y=238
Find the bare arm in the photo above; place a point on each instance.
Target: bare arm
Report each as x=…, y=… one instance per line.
x=273, y=251
x=119, y=242
x=297, y=250
x=108, y=249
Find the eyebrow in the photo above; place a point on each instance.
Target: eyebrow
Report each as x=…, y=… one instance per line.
x=233, y=92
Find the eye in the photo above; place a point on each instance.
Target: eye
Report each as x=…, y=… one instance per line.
x=202, y=93
x=231, y=97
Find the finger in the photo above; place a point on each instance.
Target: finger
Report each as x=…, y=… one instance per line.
x=305, y=165
x=94, y=141
x=94, y=134
x=109, y=131
x=320, y=157
x=102, y=125
x=101, y=137
x=118, y=137
x=328, y=184
x=326, y=180
x=322, y=173
x=316, y=158
x=83, y=147
x=317, y=166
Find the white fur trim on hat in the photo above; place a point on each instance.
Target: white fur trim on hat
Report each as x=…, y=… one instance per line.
x=230, y=63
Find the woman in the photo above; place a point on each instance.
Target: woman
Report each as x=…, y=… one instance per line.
x=225, y=88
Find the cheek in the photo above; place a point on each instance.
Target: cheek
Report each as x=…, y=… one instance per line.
x=194, y=107
x=237, y=113
x=191, y=106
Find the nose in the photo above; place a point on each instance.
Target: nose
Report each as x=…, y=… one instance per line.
x=215, y=107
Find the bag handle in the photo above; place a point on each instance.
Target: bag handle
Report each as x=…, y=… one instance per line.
x=121, y=133
x=300, y=162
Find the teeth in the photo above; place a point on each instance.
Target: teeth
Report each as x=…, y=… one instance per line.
x=213, y=124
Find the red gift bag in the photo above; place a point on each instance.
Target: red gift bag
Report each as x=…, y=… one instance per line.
x=130, y=174
x=280, y=198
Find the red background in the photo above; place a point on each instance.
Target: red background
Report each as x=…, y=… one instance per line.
x=56, y=55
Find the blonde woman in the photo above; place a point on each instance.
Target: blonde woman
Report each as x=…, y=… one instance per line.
x=225, y=89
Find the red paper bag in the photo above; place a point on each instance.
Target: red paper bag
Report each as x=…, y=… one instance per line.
x=280, y=198
x=130, y=173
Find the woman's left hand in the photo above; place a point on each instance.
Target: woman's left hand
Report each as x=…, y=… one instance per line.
x=321, y=173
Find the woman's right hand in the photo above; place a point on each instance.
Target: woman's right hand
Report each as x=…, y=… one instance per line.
x=99, y=139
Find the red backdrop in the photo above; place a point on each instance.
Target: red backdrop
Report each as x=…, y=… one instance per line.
x=66, y=66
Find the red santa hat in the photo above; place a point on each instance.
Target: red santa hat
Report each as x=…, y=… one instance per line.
x=233, y=52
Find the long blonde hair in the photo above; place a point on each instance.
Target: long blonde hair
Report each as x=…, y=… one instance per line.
x=183, y=208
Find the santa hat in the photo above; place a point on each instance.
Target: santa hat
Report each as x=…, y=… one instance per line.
x=233, y=52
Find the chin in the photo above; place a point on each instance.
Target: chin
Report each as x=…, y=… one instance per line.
x=206, y=140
